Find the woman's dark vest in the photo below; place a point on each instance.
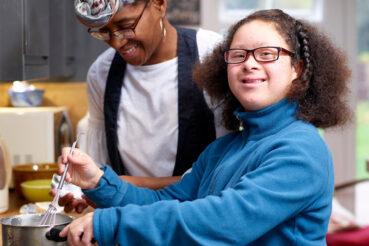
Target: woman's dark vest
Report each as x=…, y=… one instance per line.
x=195, y=120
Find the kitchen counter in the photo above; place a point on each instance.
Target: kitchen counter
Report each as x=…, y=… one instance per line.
x=15, y=202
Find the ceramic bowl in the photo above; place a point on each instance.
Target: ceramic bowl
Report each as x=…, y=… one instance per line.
x=36, y=190
x=32, y=171
x=28, y=98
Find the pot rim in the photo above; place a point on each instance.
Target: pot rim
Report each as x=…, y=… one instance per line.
x=7, y=220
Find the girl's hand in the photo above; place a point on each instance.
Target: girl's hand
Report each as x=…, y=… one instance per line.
x=80, y=231
x=69, y=202
x=82, y=171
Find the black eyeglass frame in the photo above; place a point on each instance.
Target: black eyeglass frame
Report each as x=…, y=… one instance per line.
x=128, y=32
x=287, y=52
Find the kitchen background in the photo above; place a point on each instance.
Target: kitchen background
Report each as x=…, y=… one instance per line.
x=42, y=42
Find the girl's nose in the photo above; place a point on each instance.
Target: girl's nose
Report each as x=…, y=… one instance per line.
x=250, y=62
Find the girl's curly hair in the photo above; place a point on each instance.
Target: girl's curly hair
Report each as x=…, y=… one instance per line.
x=321, y=88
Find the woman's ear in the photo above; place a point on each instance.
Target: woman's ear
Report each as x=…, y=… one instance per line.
x=160, y=5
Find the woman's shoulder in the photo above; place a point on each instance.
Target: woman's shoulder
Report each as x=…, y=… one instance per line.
x=102, y=63
x=205, y=34
x=105, y=57
x=207, y=40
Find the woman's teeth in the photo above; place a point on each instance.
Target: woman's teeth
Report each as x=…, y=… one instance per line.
x=130, y=50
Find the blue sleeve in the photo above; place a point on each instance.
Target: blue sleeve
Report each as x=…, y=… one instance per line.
x=292, y=176
x=114, y=192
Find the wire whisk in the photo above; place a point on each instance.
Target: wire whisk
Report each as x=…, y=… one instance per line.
x=48, y=217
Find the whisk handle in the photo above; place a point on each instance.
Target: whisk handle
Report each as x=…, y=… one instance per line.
x=61, y=183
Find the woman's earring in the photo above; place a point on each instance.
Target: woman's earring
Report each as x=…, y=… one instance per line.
x=162, y=27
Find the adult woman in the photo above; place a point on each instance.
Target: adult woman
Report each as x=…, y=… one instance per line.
x=272, y=182
x=146, y=117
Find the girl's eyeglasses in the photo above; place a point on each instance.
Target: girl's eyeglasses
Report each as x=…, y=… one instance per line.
x=261, y=54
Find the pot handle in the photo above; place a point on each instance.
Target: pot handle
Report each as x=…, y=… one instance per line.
x=53, y=234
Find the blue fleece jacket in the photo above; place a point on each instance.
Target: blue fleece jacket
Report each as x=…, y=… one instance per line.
x=271, y=184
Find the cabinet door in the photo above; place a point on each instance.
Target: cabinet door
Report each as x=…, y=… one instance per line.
x=36, y=38
x=36, y=27
x=11, y=45
x=70, y=38
x=62, y=38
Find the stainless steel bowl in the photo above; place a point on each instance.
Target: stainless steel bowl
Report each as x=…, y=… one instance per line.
x=24, y=230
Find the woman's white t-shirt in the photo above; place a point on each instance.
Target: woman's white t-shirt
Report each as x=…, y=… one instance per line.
x=147, y=115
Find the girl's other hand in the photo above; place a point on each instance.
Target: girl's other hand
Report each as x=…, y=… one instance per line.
x=80, y=231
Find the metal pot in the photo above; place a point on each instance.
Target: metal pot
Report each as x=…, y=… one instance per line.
x=24, y=230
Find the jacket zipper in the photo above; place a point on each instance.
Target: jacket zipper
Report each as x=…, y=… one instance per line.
x=215, y=179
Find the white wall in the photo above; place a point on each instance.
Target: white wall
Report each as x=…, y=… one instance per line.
x=340, y=23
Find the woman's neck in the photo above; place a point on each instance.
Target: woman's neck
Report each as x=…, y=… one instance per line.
x=167, y=49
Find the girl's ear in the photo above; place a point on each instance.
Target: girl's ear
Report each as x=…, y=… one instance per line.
x=160, y=5
x=297, y=69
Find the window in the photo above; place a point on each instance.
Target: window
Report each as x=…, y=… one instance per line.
x=362, y=108
x=232, y=10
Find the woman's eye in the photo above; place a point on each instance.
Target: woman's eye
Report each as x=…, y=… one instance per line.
x=125, y=26
x=103, y=31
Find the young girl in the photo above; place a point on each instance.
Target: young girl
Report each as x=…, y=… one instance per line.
x=268, y=183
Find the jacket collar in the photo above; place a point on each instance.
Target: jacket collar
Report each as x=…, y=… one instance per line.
x=267, y=121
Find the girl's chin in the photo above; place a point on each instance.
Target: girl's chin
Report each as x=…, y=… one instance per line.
x=252, y=105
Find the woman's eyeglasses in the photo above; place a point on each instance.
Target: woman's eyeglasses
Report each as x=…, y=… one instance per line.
x=123, y=33
x=261, y=54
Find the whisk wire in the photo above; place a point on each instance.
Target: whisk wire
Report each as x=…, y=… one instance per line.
x=48, y=217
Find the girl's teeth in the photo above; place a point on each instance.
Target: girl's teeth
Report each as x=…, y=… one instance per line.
x=253, y=81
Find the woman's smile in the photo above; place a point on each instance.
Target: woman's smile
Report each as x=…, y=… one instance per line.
x=130, y=52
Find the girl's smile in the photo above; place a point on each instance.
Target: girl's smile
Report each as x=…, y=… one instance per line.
x=250, y=81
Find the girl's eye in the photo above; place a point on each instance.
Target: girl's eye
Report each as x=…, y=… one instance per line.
x=237, y=55
x=266, y=53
